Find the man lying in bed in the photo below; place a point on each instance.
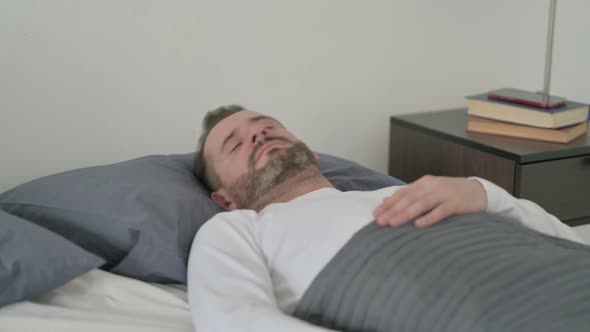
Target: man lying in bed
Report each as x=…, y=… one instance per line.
x=250, y=267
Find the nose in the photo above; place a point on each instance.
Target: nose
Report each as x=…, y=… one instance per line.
x=257, y=134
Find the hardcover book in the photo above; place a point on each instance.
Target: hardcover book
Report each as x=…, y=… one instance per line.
x=569, y=114
x=559, y=135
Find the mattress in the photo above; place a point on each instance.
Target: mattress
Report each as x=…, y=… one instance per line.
x=101, y=301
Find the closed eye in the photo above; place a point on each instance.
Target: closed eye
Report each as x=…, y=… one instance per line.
x=235, y=147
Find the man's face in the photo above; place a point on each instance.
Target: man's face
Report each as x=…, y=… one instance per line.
x=251, y=153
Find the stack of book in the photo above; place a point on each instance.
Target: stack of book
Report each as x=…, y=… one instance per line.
x=560, y=124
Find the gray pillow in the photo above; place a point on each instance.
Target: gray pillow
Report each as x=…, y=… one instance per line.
x=347, y=175
x=34, y=260
x=141, y=215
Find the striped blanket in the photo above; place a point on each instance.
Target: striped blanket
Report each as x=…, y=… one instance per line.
x=468, y=273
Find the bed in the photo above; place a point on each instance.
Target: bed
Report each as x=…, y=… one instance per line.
x=102, y=301
x=105, y=248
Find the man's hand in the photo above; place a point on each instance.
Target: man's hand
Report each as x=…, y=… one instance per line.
x=431, y=199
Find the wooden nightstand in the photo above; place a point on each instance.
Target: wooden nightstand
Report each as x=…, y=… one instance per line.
x=555, y=176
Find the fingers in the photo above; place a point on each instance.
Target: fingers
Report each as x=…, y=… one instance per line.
x=425, y=211
x=406, y=210
x=431, y=199
x=406, y=194
x=388, y=203
x=422, y=201
x=436, y=215
x=403, y=209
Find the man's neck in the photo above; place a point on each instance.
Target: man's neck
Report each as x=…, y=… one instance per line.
x=292, y=188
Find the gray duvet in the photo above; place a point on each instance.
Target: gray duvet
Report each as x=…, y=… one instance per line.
x=468, y=273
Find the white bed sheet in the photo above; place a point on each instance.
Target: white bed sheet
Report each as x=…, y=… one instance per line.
x=103, y=302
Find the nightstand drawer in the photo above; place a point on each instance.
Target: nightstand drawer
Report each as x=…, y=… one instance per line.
x=562, y=187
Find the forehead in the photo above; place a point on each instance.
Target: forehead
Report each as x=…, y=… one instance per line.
x=224, y=127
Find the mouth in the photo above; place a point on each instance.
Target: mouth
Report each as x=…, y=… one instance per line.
x=265, y=148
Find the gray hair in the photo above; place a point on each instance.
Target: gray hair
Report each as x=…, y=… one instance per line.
x=202, y=171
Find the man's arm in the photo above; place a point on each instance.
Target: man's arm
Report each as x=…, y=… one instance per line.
x=431, y=199
x=229, y=285
x=526, y=212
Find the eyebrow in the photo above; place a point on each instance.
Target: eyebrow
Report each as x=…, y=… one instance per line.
x=260, y=118
x=250, y=120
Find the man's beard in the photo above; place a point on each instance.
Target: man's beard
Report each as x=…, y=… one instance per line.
x=282, y=164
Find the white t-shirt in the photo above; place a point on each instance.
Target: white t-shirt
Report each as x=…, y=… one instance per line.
x=248, y=270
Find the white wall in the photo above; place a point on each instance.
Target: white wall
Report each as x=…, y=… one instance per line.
x=93, y=82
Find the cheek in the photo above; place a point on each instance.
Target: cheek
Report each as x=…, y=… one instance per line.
x=233, y=169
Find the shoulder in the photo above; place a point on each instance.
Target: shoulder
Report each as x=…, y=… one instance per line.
x=227, y=237
x=378, y=194
x=226, y=226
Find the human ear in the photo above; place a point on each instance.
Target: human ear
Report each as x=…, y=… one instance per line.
x=222, y=199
